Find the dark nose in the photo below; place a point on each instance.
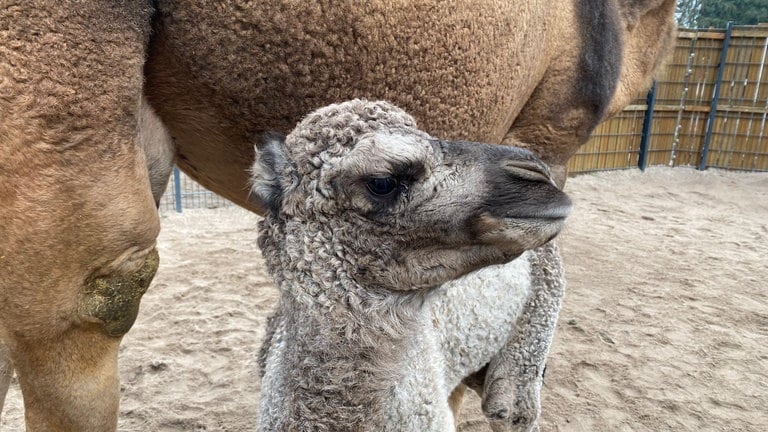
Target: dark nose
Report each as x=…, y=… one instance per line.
x=523, y=187
x=528, y=169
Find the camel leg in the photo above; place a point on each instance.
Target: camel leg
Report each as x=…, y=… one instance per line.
x=454, y=401
x=157, y=144
x=6, y=372
x=512, y=388
x=79, y=222
x=70, y=384
x=68, y=370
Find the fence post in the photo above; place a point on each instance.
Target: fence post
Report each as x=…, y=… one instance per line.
x=177, y=188
x=715, y=97
x=645, y=138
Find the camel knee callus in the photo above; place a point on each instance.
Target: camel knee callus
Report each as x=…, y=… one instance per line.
x=112, y=301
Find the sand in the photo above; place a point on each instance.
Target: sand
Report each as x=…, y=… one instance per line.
x=664, y=325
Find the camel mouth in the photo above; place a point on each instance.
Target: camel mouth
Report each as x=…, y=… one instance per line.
x=552, y=209
x=554, y=213
x=521, y=231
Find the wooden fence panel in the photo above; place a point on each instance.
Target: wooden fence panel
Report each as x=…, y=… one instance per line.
x=613, y=148
x=739, y=138
x=684, y=98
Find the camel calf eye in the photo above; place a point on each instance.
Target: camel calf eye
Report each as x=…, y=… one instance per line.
x=381, y=186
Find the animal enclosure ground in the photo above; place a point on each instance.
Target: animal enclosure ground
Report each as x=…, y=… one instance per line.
x=664, y=325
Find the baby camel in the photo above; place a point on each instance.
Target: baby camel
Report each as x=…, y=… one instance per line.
x=368, y=217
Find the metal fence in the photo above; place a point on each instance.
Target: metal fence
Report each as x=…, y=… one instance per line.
x=184, y=193
x=707, y=109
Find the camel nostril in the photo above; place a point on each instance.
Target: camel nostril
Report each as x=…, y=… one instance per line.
x=532, y=170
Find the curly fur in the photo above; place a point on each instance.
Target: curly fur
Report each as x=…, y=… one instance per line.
x=341, y=355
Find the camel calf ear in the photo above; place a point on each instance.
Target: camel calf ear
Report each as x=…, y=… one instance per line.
x=272, y=162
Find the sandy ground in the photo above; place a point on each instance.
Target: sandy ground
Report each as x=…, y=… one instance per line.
x=664, y=326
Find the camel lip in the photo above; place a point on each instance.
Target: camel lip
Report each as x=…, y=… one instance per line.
x=554, y=214
x=543, y=203
x=521, y=228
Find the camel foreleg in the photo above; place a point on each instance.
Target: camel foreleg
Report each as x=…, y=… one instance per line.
x=156, y=142
x=512, y=383
x=6, y=372
x=69, y=384
x=68, y=371
x=79, y=224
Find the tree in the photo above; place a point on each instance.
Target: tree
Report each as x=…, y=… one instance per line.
x=687, y=13
x=717, y=13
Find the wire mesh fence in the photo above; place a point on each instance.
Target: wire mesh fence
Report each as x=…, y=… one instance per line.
x=184, y=193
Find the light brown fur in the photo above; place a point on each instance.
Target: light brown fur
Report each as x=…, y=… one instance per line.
x=75, y=197
x=493, y=71
x=75, y=202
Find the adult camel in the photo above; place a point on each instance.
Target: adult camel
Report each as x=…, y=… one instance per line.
x=78, y=219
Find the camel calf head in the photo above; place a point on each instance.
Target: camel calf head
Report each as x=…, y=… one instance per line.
x=401, y=209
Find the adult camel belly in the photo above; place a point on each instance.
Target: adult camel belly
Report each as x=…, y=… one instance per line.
x=220, y=77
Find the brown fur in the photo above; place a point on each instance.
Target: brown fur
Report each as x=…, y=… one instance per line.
x=648, y=37
x=75, y=199
x=496, y=71
x=157, y=144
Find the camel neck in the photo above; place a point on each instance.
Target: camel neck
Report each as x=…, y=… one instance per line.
x=343, y=349
x=341, y=361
